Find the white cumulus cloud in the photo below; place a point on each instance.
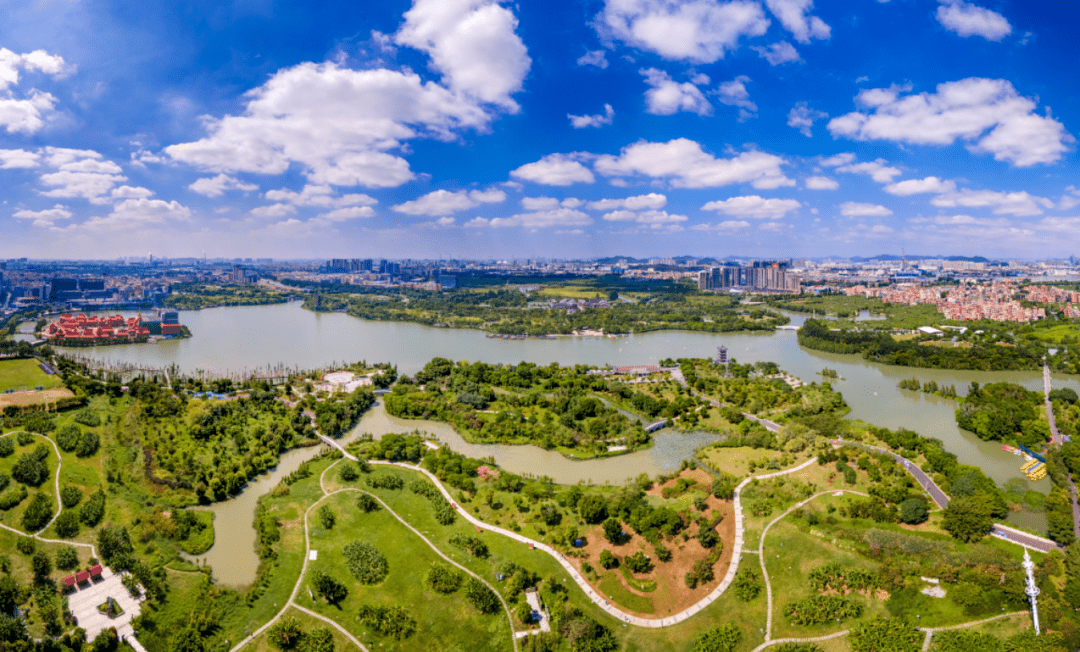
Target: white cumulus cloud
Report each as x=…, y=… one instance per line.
x=216, y=186
x=653, y=201
x=794, y=16
x=593, y=58
x=667, y=96
x=821, y=183
x=694, y=30
x=644, y=217
x=18, y=158
x=778, y=53
x=555, y=170
x=877, y=170
x=802, y=117
x=596, y=120
x=929, y=185
x=1003, y=203
x=28, y=113
x=988, y=114
x=540, y=219
x=753, y=206
x=444, y=202
x=687, y=165
x=473, y=44
x=967, y=19
x=45, y=218
x=132, y=214
x=859, y=209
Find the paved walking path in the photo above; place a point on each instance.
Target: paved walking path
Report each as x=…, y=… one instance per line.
x=125, y=630
x=761, y=550
x=930, y=631
x=291, y=602
x=598, y=599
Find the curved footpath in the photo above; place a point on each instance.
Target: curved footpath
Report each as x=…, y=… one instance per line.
x=291, y=602
x=126, y=632
x=598, y=599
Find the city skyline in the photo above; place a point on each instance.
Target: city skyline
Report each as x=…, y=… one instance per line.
x=478, y=130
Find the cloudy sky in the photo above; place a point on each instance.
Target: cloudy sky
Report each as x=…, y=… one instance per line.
x=481, y=129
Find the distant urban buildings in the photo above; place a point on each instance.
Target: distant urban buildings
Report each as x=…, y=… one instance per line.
x=758, y=276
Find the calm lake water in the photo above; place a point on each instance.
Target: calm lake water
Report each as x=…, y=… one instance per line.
x=249, y=338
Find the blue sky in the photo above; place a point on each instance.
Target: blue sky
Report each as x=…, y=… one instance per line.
x=480, y=129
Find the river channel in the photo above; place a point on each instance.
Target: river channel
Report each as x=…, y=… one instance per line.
x=250, y=337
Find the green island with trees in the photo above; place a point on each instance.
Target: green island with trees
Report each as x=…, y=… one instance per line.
x=195, y=296
x=627, y=308
x=847, y=536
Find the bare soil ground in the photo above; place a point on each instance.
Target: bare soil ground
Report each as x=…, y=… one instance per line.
x=671, y=595
x=42, y=397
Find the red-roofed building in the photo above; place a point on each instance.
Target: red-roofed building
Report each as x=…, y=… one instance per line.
x=69, y=581
x=82, y=576
x=95, y=570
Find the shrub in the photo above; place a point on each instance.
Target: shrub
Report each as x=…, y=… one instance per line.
x=365, y=562
x=707, y=537
x=320, y=639
x=41, y=565
x=722, y=638
x=892, y=634
x=367, y=503
x=25, y=438
x=87, y=418
x=471, y=544
x=701, y=573
x=820, y=609
x=592, y=508
x=348, y=471
x=480, y=596
x=613, y=531
x=67, y=437
x=88, y=444
x=663, y=554
x=638, y=563
x=67, y=524
x=798, y=647
x=286, y=633
x=747, y=584
x=444, y=513
x=386, y=482
x=13, y=497
x=70, y=496
x=608, y=560
x=30, y=469
x=38, y=513
x=93, y=510
x=328, y=586
x=393, y=621
x=443, y=578
x=67, y=558
x=326, y=517
x=7, y=446
x=26, y=545
x=724, y=486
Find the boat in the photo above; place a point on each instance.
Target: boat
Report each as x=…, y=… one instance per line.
x=1010, y=449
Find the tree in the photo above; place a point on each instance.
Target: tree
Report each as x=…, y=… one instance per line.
x=608, y=560
x=613, y=531
x=885, y=635
x=348, y=472
x=70, y=496
x=320, y=639
x=326, y=517
x=481, y=597
x=9, y=594
x=188, y=639
x=67, y=524
x=365, y=562
x=442, y=578
x=722, y=638
x=67, y=558
x=967, y=519
x=38, y=514
x=286, y=633
x=638, y=563
x=592, y=508
x=329, y=587
x=913, y=511
x=707, y=537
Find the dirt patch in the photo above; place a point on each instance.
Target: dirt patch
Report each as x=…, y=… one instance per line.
x=671, y=595
x=37, y=397
x=703, y=480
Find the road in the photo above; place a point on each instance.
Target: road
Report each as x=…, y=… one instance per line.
x=1057, y=439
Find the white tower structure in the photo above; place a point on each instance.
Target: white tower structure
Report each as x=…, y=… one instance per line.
x=1032, y=590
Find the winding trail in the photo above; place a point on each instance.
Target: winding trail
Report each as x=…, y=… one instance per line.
x=291, y=602
x=761, y=550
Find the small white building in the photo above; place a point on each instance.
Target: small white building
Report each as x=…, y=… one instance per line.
x=342, y=381
x=930, y=330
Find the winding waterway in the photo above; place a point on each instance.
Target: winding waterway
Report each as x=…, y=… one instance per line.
x=250, y=337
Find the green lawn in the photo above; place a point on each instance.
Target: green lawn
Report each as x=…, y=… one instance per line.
x=612, y=588
x=24, y=374
x=736, y=460
x=444, y=622
x=308, y=623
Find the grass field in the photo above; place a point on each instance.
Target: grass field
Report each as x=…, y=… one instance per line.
x=308, y=623
x=24, y=374
x=736, y=461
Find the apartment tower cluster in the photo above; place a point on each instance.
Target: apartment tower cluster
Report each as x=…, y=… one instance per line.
x=759, y=275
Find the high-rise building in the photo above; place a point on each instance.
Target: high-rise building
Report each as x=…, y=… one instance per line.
x=759, y=275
